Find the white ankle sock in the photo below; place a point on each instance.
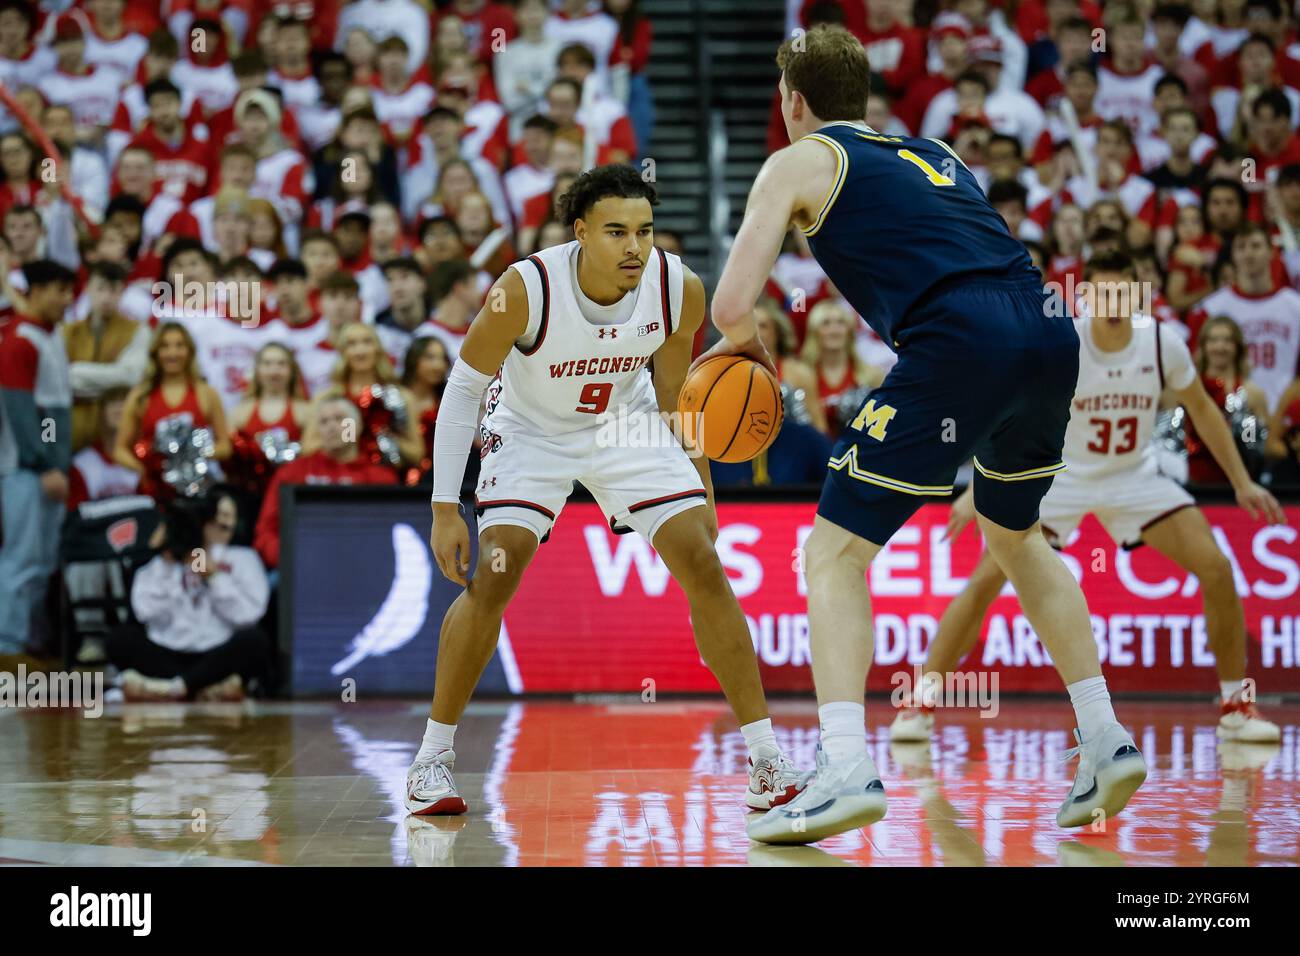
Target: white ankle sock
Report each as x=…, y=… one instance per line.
x=844, y=730
x=1229, y=687
x=760, y=739
x=437, y=738
x=1092, y=709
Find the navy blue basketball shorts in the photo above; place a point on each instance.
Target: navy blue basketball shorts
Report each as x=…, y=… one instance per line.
x=986, y=370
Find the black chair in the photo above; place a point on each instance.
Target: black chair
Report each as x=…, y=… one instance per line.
x=114, y=531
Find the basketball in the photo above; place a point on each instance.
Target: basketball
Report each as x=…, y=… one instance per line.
x=731, y=406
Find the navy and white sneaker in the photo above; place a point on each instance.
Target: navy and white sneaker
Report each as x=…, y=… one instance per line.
x=430, y=788
x=1110, y=771
x=837, y=797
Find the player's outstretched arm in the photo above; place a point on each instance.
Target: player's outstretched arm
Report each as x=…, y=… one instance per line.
x=502, y=320
x=793, y=182
x=1213, y=429
x=670, y=363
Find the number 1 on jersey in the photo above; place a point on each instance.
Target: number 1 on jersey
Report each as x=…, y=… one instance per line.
x=935, y=177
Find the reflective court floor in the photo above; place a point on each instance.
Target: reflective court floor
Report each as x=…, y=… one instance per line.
x=611, y=783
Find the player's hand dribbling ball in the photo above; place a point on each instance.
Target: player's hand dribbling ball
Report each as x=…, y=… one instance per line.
x=731, y=407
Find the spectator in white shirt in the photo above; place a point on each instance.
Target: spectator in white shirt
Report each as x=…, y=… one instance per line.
x=381, y=19
x=577, y=22
x=524, y=69
x=198, y=603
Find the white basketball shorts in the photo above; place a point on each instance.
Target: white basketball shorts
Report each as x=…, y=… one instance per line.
x=525, y=479
x=1125, y=504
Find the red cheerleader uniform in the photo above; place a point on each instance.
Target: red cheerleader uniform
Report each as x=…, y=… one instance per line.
x=155, y=413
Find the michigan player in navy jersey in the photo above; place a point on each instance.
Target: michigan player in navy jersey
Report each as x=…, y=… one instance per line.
x=986, y=368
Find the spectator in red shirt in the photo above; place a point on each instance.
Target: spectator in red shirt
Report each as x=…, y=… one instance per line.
x=18, y=165
x=949, y=33
x=632, y=52
x=1273, y=139
x=180, y=160
x=338, y=462
x=1168, y=21
x=896, y=51
x=1073, y=41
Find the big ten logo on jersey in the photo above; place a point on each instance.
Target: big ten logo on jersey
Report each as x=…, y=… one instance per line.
x=650, y=329
x=874, y=420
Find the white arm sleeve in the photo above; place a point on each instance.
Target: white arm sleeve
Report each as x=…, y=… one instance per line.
x=454, y=434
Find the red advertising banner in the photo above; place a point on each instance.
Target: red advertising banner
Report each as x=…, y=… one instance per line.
x=599, y=612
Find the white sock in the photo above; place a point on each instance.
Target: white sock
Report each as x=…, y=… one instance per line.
x=1229, y=687
x=844, y=730
x=760, y=739
x=931, y=690
x=437, y=738
x=1092, y=709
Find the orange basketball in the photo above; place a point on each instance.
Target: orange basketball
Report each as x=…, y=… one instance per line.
x=731, y=406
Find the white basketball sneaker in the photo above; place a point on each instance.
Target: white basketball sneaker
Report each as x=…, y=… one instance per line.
x=912, y=724
x=772, y=782
x=1240, y=721
x=839, y=796
x=431, y=790
x=1110, y=770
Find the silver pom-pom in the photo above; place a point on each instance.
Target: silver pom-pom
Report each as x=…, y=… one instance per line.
x=388, y=448
x=795, y=401
x=186, y=451
x=1250, y=432
x=277, y=447
x=1170, y=434
x=390, y=396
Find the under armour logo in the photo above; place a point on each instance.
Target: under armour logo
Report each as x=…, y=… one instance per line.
x=612, y=333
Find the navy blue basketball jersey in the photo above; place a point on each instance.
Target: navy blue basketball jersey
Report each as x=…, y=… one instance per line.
x=905, y=215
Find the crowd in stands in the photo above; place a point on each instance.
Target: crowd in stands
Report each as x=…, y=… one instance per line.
x=1165, y=130
x=241, y=242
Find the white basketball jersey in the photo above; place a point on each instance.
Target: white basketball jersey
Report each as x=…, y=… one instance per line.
x=1117, y=397
x=566, y=374
x=1270, y=324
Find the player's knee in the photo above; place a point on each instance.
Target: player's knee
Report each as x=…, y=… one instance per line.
x=1214, y=571
x=1006, y=545
x=829, y=550
x=700, y=570
x=500, y=568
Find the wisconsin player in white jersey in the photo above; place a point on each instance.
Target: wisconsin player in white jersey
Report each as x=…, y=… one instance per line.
x=597, y=327
x=1125, y=363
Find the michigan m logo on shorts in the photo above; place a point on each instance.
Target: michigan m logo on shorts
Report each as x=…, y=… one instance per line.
x=874, y=420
